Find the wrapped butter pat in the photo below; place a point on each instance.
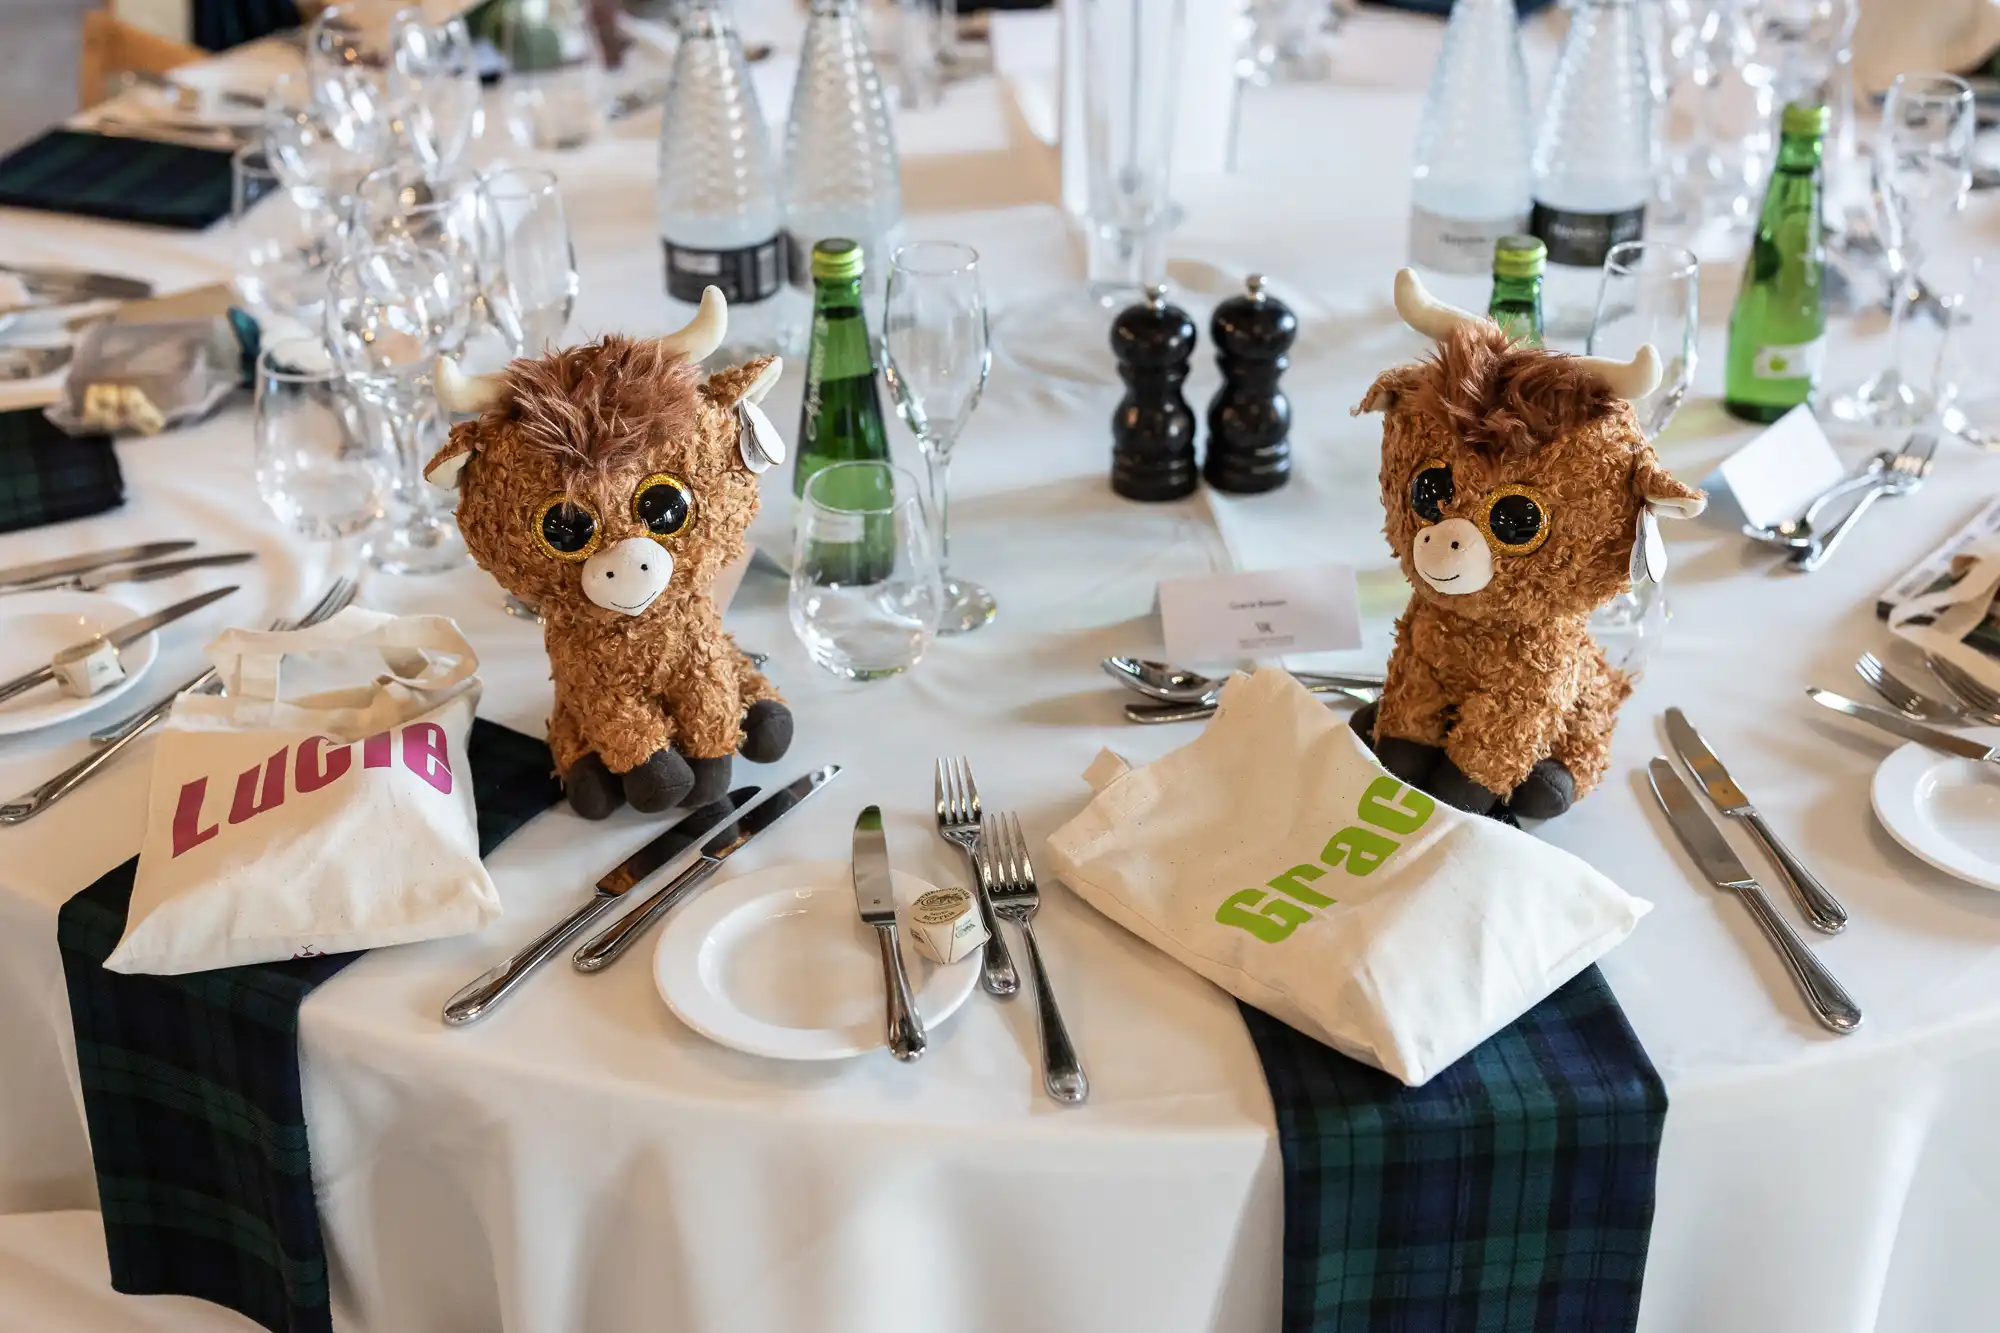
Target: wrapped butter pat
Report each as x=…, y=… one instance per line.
x=946, y=925
x=82, y=669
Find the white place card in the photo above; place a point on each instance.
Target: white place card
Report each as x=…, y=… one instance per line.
x=1776, y=475
x=1227, y=617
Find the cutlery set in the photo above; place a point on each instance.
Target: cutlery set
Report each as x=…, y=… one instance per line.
x=1181, y=695
x=1900, y=473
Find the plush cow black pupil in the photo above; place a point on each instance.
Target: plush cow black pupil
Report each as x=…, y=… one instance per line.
x=1515, y=519
x=568, y=528
x=1430, y=492
x=663, y=509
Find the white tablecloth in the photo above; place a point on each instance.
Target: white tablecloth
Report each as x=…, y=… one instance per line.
x=582, y=1162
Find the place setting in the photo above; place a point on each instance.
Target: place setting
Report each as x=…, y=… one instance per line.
x=659, y=421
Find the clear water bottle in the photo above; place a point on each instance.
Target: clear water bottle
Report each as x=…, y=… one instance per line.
x=1594, y=156
x=1470, y=186
x=720, y=219
x=842, y=177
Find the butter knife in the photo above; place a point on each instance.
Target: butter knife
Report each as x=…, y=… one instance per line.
x=163, y=569
x=126, y=633
x=1822, y=910
x=1895, y=723
x=477, y=998
x=605, y=949
x=874, y=891
x=1830, y=1003
x=78, y=564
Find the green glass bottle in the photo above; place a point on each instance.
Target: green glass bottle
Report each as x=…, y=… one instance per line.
x=1777, y=332
x=841, y=419
x=1516, y=306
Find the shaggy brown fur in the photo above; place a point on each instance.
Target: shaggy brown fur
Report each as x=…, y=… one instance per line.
x=588, y=424
x=1509, y=675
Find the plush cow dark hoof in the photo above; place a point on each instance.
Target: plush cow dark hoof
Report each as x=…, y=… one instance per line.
x=1546, y=792
x=711, y=780
x=592, y=790
x=1412, y=761
x=1362, y=720
x=661, y=783
x=1451, y=786
x=767, y=732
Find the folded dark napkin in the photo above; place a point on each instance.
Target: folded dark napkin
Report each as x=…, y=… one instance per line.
x=220, y=24
x=191, y=1090
x=48, y=477
x=1514, y=1191
x=125, y=180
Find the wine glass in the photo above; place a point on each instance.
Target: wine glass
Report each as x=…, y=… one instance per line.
x=318, y=148
x=320, y=462
x=1923, y=174
x=936, y=357
x=281, y=245
x=434, y=78
x=389, y=311
x=865, y=592
x=534, y=284
x=555, y=74
x=1650, y=293
x=350, y=57
x=403, y=204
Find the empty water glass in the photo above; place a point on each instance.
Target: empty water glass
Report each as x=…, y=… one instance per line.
x=319, y=148
x=534, y=285
x=1650, y=294
x=865, y=595
x=402, y=204
x=282, y=246
x=435, y=81
x=322, y=464
x=555, y=74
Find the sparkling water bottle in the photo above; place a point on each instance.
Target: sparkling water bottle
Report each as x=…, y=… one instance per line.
x=1470, y=185
x=841, y=177
x=1594, y=156
x=720, y=220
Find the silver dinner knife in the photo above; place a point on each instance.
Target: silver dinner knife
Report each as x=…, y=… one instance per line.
x=479, y=996
x=1822, y=910
x=605, y=949
x=118, y=638
x=79, y=564
x=164, y=569
x=1935, y=737
x=1830, y=1004
x=874, y=891
x=75, y=285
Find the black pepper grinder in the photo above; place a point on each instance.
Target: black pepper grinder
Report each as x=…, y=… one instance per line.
x=1152, y=435
x=1250, y=419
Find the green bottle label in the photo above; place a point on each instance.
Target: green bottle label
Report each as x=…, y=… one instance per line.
x=1789, y=361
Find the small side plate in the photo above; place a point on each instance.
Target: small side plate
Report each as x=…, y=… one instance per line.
x=777, y=963
x=40, y=624
x=1943, y=809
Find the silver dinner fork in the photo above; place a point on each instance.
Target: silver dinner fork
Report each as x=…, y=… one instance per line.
x=1982, y=704
x=958, y=824
x=1009, y=877
x=1905, y=473
x=31, y=803
x=1906, y=698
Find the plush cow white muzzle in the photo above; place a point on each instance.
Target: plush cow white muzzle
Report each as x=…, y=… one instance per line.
x=627, y=576
x=1452, y=557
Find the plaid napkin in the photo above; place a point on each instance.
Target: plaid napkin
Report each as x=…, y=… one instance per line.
x=221, y=24
x=125, y=180
x=47, y=476
x=1514, y=1191
x=191, y=1090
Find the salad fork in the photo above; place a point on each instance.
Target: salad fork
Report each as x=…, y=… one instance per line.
x=31, y=803
x=1905, y=473
x=1009, y=876
x=958, y=823
x=1982, y=705
x=1904, y=697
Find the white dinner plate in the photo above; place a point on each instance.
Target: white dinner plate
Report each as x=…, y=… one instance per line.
x=777, y=963
x=35, y=626
x=1943, y=809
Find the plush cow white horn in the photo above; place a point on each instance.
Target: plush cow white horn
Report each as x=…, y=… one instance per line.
x=1424, y=312
x=703, y=334
x=1630, y=380
x=460, y=392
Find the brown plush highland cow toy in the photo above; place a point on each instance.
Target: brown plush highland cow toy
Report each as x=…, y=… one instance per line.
x=610, y=484
x=1515, y=482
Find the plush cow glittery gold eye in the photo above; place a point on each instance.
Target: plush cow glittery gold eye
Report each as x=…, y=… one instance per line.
x=1430, y=490
x=566, y=529
x=1515, y=520
x=664, y=504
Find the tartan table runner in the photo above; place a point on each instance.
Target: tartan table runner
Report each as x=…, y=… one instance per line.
x=124, y=180
x=46, y=476
x=1513, y=1193
x=191, y=1090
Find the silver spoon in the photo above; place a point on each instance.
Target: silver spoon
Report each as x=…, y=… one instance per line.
x=1178, y=685
x=1797, y=533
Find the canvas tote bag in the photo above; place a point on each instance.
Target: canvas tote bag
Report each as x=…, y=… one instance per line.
x=283, y=825
x=1938, y=622
x=1275, y=857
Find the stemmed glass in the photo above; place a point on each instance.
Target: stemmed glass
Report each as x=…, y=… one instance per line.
x=281, y=245
x=320, y=462
x=936, y=357
x=389, y=311
x=1650, y=293
x=533, y=289
x=319, y=148
x=453, y=218
x=350, y=55
x=434, y=79
x=865, y=595
x=1923, y=174
x=555, y=74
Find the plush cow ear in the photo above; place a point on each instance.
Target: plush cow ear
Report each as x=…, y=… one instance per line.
x=1663, y=494
x=445, y=470
x=1381, y=395
x=748, y=382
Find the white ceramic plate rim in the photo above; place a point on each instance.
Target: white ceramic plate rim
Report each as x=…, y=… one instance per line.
x=45, y=706
x=939, y=991
x=1894, y=796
